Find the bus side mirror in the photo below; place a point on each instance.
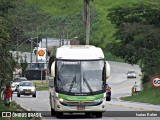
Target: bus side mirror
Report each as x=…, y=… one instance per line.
x=53, y=69
x=107, y=70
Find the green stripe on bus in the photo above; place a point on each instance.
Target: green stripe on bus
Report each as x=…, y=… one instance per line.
x=81, y=98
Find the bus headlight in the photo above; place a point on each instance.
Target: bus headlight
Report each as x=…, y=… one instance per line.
x=99, y=100
x=61, y=99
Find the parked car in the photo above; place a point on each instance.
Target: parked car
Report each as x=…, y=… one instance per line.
x=26, y=88
x=108, y=93
x=16, y=82
x=131, y=74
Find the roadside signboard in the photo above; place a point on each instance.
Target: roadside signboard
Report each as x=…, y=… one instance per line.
x=41, y=54
x=156, y=82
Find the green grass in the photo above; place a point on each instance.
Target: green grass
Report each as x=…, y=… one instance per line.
x=41, y=85
x=13, y=107
x=148, y=95
x=42, y=88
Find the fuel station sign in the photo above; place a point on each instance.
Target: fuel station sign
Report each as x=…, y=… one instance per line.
x=41, y=54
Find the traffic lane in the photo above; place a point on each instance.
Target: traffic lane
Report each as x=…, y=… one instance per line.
x=117, y=67
x=113, y=112
x=120, y=113
x=118, y=81
x=41, y=102
x=118, y=76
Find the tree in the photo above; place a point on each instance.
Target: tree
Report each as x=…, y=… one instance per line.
x=7, y=62
x=137, y=35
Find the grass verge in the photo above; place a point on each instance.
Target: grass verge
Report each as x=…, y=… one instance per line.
x=148, y=95
x=41, y=85
x=13, y=108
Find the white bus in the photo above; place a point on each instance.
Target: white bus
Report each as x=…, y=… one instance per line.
x=79, y=81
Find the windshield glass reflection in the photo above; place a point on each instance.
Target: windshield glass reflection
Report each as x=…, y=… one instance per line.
x=80, y=76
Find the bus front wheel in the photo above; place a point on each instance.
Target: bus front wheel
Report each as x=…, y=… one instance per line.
x=98, y=114
x=59, y=114
x=53, y=112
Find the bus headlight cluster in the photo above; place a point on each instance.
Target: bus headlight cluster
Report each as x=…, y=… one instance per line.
x=98, y=100
x=61, y=99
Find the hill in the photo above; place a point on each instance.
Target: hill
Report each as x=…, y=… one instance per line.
x=104, y=29
x=64, y=18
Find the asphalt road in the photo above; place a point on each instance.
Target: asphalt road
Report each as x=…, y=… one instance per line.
x=116, y=108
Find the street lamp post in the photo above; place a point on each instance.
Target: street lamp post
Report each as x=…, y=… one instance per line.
x=32, y=51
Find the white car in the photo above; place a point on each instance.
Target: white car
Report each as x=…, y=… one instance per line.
x=131, y=74
x=16, y=82
x=26, y=88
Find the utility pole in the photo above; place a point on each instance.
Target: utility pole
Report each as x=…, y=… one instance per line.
x=31, y=54
x=46, y=58
x=37, y=48
x=87, y=19
x=17, y=55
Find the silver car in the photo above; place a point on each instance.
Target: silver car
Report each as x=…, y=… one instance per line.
x=26, y=88
x=131, y=74
x=16, y=82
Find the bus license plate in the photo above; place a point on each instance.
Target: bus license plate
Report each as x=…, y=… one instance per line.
x=80, y=107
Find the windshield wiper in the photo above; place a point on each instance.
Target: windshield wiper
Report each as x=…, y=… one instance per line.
x=73, y=81
x=89, y=87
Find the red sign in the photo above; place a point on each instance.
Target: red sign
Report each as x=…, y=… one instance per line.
x=156, y=82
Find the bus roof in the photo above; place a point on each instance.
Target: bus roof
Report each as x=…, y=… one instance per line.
x=79, y=52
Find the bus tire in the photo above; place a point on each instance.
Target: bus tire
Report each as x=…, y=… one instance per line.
x=59, y=114
x=53, y=112
x=108, y=98
x=98, y=114
x=88, y=114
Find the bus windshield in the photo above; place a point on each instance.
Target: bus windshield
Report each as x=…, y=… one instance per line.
x=80, y=76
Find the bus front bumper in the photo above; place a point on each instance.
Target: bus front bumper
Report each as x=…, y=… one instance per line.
x=94, y=108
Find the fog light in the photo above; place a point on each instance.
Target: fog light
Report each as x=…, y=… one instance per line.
x=58, y=106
